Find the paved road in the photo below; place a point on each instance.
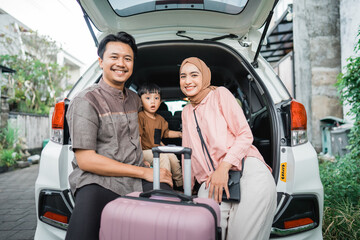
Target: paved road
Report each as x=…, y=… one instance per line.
x=17, y=203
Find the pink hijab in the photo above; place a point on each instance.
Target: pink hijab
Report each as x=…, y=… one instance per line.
x=206, y=77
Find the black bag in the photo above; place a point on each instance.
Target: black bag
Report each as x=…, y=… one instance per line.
x=234, y=176
x=234, y=187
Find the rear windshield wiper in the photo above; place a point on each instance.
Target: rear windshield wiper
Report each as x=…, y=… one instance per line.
x=232, y=36
x=181, y=34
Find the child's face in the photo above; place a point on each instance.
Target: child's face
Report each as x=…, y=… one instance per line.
x=151, y=102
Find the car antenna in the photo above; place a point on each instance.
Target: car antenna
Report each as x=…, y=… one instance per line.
x=255, y=63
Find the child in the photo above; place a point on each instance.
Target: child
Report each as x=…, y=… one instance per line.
x=153, y=128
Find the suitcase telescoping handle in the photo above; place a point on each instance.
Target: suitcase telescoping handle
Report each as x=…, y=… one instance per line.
x=187, y=165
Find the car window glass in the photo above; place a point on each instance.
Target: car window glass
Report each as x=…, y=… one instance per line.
x=92, y=75
x=175, y=106
x=130, y=7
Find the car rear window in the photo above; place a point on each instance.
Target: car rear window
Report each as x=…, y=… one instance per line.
x=131, y=7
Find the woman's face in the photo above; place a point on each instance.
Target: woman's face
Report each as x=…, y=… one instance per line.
x=190, y=80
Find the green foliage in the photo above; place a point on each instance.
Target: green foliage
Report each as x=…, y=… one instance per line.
x=6, y=157
x=35, y=84
x=8, y=146
x=341, y=180
x=40, y=46
x=348, y=85
x=342, y=221
x=8, y=137
x=37, y=46
x=17, y=156
x=37, y=81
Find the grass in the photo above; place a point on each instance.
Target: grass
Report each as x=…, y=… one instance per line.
x=341, y=221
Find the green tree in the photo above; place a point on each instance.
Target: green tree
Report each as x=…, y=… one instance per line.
x=6, y=158
x=25, y=42
x=349, y=88
x=8, y=142
x=341, y=179
x=35, y=84
x=37, y=81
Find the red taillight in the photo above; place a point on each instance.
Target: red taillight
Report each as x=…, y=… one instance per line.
x=58, y=116
x=57, y=124
x=298, y=116
x=57, y=217
x=297, y=223
x=298, y=123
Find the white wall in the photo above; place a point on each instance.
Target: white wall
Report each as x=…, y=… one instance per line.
x=7, y=31
x=284, y=69
x=280, y=8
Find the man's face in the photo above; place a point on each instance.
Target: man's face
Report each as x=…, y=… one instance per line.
x=117, y=64
x=151, y=102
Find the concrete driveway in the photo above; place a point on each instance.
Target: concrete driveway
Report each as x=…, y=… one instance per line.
x=17, y=203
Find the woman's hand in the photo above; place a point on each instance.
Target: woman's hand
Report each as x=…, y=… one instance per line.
x=218, y=181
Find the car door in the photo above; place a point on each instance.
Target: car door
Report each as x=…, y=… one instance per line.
x=216, y=17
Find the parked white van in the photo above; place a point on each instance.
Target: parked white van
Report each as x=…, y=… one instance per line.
x=227, y=35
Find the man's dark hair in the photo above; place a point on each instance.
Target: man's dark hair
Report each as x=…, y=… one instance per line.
x=149, y=88
x=119, y=37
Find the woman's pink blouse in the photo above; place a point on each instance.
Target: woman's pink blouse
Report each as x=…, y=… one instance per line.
x=225, y=130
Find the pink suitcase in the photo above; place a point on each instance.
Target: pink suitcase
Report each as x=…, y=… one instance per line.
x=161, y=214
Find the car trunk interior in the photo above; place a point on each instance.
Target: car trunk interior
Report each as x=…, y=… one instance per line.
x=159, y=62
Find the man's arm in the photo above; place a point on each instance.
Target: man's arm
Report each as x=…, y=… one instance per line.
x=90, y=161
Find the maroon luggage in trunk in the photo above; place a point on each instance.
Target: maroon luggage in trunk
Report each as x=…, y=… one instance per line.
x=161, y=214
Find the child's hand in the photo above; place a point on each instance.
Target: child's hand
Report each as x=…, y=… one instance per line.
x=147, y=164
x=175, y=134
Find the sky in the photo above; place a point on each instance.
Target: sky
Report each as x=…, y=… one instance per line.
x=62, y=20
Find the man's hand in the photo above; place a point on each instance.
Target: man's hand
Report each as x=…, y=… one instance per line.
x=218, y=182
x=165, y=176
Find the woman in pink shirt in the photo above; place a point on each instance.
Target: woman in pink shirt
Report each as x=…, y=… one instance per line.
x=228, y=139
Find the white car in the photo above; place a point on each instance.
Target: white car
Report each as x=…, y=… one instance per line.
x=226, y=35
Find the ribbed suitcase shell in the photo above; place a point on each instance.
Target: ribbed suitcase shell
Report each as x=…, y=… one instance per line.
x=164, y=219
x=161, y=217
